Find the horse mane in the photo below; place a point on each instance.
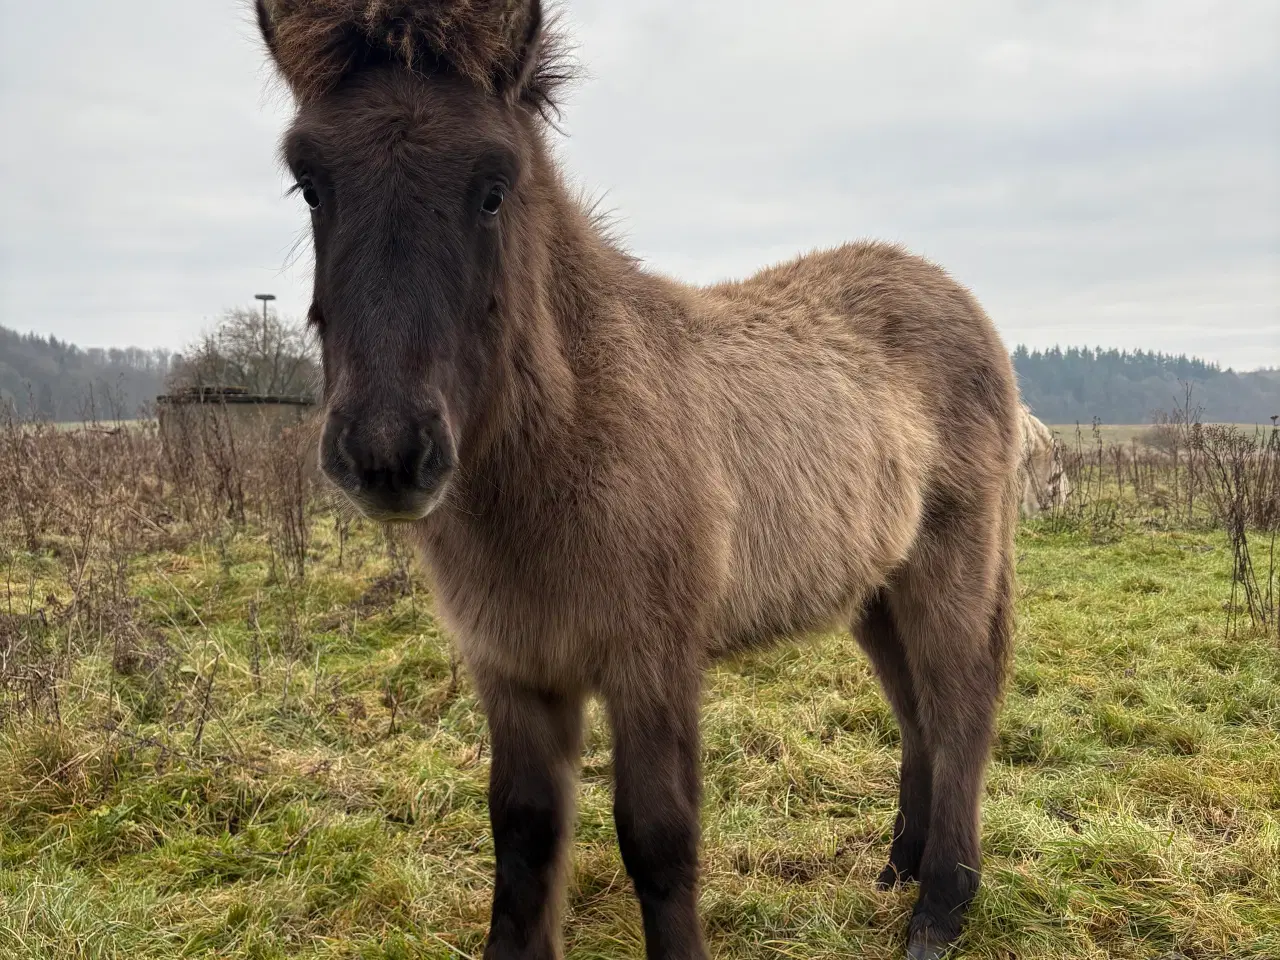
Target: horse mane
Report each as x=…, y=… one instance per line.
x=318, y=42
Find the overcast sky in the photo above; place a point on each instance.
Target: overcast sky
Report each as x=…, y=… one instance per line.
x=1097, y=171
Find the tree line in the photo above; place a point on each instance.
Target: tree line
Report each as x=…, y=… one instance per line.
x=49, y=379
x=269, y=354
x=1122, y=386
x=54, y=380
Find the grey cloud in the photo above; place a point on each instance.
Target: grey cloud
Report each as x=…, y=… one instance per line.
x=1098, y=172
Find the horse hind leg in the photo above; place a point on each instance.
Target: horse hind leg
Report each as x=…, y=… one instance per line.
x=950, y=607
x=877, y=636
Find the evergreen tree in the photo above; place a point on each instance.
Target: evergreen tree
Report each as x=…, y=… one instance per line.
x=1119, y=386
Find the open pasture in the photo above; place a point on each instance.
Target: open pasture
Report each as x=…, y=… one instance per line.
x=230, y=727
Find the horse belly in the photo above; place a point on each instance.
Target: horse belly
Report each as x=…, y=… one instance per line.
x=815, y=537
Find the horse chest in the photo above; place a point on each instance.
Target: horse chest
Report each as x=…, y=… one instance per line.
x=515, y=614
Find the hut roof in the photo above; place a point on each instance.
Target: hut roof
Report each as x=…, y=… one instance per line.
x=230, y=395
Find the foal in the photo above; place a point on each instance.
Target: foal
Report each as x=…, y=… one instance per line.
x=614, y=478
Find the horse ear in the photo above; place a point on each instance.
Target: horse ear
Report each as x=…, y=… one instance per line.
x=514, y=77
x=266, y=24
x=310, y=53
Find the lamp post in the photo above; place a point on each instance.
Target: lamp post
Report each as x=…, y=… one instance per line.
x=265, y=298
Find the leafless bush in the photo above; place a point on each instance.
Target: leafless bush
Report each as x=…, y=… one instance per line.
x=287, y=498
x=262, y=352
x=1241, y=483
x=81, y=504
x=1162, y=436
x=85, y=499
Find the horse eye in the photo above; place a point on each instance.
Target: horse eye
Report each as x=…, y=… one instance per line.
x=493, y=199
x=310, y=194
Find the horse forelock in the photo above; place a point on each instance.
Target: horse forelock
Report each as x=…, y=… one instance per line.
x=317, y=42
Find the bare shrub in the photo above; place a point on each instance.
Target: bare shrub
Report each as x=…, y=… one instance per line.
x=80, y=504
x=287, y=496
x=264, y=353
x=1239, y=475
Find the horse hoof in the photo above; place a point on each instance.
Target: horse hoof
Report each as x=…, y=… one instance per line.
x=928, y=944
x=924, y=947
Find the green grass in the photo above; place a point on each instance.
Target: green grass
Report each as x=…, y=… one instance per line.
x=328, y=801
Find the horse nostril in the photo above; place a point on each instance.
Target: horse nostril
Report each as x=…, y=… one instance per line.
x=426, y=456
x=395, y=467
x=343, y=446
x=339, y=449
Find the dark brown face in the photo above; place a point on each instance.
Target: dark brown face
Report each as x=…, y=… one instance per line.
x=413, y=189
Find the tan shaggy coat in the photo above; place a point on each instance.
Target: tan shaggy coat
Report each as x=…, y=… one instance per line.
x=645, y=475
x=757, y=460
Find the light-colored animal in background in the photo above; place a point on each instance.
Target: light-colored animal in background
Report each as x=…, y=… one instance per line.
x=1044, y=482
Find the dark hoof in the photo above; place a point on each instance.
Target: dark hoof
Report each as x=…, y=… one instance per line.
x=930, y=940
x=925, y=947
x=891, y=877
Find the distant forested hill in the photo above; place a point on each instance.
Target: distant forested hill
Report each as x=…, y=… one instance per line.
x=1078, y=384
x=59, y=381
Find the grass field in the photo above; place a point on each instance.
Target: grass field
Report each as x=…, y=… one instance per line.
x=228, y=765
x=1124, y=434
